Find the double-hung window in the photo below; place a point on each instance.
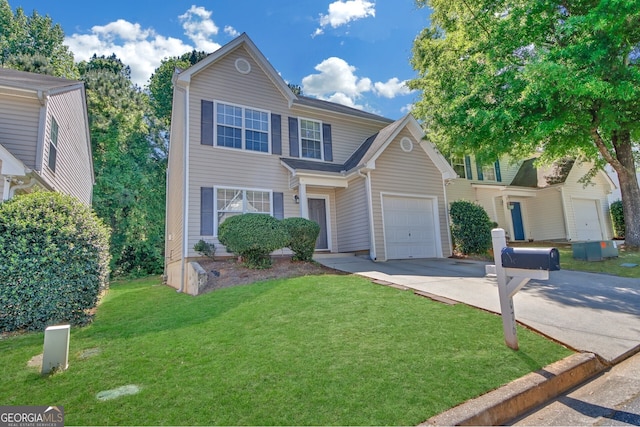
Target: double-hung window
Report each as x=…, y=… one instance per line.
x=236, y=201
x=242, y=128
x=457, y=163
x=53, y=144
x=489, y=172
x=311, y=139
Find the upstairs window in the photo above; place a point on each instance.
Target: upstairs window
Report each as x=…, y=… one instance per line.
x=489, y=173
x=311, y=139
x=457, y=163
x=242, y=128
x=53, y=144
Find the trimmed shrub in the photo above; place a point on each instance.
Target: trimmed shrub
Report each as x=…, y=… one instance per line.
x=470, y=228
x=205, y=249
x=303, y=233
x=617, y=217
x=54, y=261
x=253, y=237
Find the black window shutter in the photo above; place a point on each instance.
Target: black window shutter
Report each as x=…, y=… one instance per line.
x=479, y=169
x=326, y=140
x=467, y=165
x=206, y=211
x=498, y=175
x=294, y=147
x=278, y=205
x=276, y=134
x=206, y=123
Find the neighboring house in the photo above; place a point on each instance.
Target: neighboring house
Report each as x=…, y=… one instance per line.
x=242, y=141
x=533, y=203
x=44, y=136
x=616, y=194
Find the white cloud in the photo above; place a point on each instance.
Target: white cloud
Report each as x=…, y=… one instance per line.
x=142, y=49
x=337, y=82
x=407, y=108
x=392, y=88
x=342, y=12
x=230, y=31
x=199, y=27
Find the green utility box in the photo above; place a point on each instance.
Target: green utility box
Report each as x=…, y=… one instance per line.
x=596, y=250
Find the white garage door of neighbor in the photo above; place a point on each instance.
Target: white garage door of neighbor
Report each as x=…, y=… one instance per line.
x=587, y=220
x=409, y=227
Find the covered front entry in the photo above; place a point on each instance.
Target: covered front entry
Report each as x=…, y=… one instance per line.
x=409, y=227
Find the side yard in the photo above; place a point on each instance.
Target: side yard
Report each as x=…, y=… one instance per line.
x=321, y=350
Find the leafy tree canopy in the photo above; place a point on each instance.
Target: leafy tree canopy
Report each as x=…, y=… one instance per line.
x=33, y=43
x=513, y=76
x=161, y=85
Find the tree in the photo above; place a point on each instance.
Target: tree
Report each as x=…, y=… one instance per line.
x=33, y=43
x=129, y=164
x=161, y=85
x=513, y=76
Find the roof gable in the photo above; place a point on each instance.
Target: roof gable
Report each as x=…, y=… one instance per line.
x=184, y=77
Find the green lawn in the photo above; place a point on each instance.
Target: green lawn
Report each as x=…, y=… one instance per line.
x=321, y=350
x=608, y=266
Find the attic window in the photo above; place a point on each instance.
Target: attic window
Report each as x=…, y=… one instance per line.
x=243, y=66
x=406, y=145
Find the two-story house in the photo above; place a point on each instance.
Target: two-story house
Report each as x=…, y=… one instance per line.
x=537, y=203
x=44, y=135
x=242, y=141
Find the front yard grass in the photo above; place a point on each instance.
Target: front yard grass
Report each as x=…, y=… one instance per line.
x=607, y=266
x=314, y=350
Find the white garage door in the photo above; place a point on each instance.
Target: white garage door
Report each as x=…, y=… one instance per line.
x=587, y=220
x=409, y=228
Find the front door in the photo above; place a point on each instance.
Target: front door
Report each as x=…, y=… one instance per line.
x=516, y=217
x=318, y=213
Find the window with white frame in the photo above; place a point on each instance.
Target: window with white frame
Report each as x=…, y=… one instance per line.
x=310, y=139
x=53, y=144
x=236, y=201
x=242, y=128
x=457, y=163
x=489, y=173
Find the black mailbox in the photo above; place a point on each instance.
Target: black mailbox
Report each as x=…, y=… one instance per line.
x=531, y=258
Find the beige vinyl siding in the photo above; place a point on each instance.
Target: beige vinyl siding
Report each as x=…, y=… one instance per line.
x=546, y=215
x=1, y=183
x=598, y=192
x=73, y=160
x=460, y=189
x=353, y=217
x=487, y=199
x=406, y=173
x=509, y=169
x=19, y=123
x=175, y=192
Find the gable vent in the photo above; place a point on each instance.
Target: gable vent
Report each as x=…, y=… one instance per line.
x=243, y=66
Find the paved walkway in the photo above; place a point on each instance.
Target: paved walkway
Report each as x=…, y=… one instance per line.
x=588, y=312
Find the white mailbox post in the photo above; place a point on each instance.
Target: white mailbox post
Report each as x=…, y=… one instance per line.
x=510, y=280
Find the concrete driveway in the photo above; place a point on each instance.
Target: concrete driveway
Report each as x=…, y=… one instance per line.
x=588, y=312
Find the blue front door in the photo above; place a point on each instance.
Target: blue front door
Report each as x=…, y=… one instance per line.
x=516, y=218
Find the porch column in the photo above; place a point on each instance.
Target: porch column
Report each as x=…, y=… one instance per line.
x=6, y=187
x=507, y=215
x=304, y=204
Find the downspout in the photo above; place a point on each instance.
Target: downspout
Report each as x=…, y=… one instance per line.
x=32, y=182
x=165, y=277
x=185, y=193
x=446, y=215
x=367, y=181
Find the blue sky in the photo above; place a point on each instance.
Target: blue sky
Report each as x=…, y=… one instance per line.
x=355, y=52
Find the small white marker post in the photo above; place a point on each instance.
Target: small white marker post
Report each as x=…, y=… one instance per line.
x=56, y=348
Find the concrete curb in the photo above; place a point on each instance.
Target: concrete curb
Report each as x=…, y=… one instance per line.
x=523, y=394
